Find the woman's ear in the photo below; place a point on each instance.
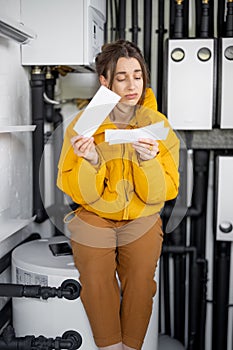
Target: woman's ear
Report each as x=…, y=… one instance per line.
x=103, y=80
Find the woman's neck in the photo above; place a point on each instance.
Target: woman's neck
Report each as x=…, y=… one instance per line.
x=122, y=114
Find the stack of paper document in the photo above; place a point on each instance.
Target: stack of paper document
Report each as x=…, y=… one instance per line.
x=155, y=131
x=99, y=108
x=96, y=111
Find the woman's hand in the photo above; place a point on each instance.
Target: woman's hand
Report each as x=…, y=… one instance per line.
x=85, y=147
x=146, y=148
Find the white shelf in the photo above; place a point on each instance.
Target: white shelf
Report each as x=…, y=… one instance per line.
x=16, y=128
x=11, y=226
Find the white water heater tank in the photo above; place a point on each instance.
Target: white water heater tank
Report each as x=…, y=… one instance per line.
x=33, y=263
x=68, y=32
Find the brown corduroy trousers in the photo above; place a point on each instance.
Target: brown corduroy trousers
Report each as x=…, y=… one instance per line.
x=130, y=250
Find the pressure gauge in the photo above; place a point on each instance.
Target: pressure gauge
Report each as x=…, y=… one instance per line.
x=177, y=54
x=229, y=53
x=204, y=54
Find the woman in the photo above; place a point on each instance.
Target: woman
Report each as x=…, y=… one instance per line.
x=121, y=189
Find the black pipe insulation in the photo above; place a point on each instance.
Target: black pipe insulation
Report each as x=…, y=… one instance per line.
x=229, y=20
x=116, y=9
x=160, y=54
x=53, y=115
x=122, y=18
x=178, y=238
x=179, y=19
x=135, y=29
x=198, y=264
x=195, y=277
x=106, y=23
x=197, y=297
x=50, y=82
x=178, y=31
x=147, y=31
x=204, y=25
x=221, y=19
x=70, y=340
x=198, y=239
x=193, y=302
x=204, y=14
x=37, y=91
x=221, y=288
x=69, y=289
x=199, y=200
x=112, y=29
x=166, y=290
x=58, y=194
x=179, y=262
x=180, y=250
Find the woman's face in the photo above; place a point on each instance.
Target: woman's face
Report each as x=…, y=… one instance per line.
x=128, y=80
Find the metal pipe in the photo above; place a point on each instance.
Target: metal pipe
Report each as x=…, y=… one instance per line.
x=135, y=28
x=229, y=19
x=111, y=21
x=122, y=18
x=178, y=31
x=58, y=194
x=198, y=239
x=53, y=115
x=160, y=55
x=50, y=82
x=70, y=340
x=167, y=306
x=204, y=26
x=221, y=294
x=69, y=289
x=37, y=90
x=178, y=239
x=106, y=23
x=147, y=29
x=220, y=19
x=199, y=200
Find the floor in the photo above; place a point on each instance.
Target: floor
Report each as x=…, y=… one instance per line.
x=167, y=343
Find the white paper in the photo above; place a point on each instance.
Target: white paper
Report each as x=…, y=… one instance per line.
x=96, y=111
x=154, y=131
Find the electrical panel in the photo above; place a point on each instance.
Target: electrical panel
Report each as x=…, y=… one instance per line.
x=191, y=93
x=225, y=83
x=224, y=225
x=68, y=32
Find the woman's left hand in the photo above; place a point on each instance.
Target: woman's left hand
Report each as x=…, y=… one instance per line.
x=146, y=148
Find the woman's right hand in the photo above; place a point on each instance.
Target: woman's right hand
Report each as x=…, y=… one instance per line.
x=85, y=147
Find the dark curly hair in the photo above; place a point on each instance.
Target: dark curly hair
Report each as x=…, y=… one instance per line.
x=107, y=59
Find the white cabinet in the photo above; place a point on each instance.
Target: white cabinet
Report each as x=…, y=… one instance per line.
x=226, y=77
x=191, y=77
x=69, y=32
x=224, y=198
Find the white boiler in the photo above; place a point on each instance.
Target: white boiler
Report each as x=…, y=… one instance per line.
x=67, y=32
x=33, y=263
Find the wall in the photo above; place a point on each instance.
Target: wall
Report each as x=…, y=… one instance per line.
x=15, y=148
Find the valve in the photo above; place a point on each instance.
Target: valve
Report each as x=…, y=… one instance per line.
x=70, y=340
